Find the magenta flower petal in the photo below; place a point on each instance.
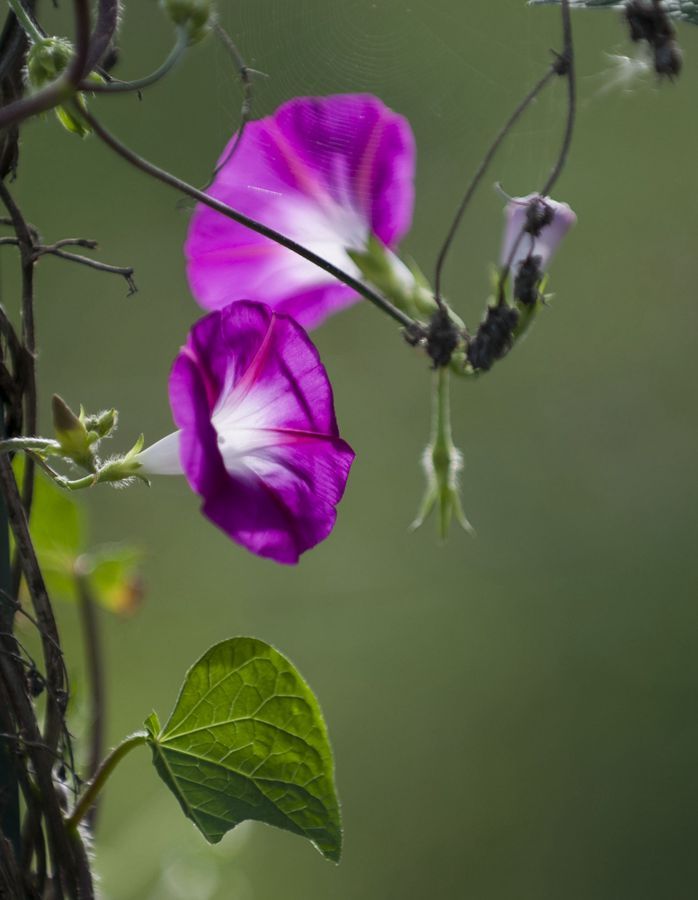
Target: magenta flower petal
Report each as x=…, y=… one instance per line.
x=258, y=437
x=326, y=172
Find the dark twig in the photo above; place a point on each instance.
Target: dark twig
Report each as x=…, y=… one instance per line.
x=56, y=250
x=480, y=172
x=104, y=31
x=565, y=67
x=26, y=237
x=70, y=863
x=95, y=670
x=189, y=190
x=124, y=271
x=55, y=680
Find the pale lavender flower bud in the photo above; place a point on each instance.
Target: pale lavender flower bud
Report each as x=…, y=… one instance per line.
x=535, y=226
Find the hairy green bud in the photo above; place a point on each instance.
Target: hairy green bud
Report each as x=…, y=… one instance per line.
x=47, y=60
x=195, y=16
x=71, y=434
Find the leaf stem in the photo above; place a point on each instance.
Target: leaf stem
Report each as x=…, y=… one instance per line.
x=12, y=445
x=102, y=775
x=26, y=21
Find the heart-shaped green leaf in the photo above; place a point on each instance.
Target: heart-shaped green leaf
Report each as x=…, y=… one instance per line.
x=246, y=740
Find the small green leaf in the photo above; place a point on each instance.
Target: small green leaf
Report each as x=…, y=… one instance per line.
x=57, y=522
x=57, y=526
x=683, y=10
x=246, y=740
x=59, y=533
x=113, y=573
x=153, y=726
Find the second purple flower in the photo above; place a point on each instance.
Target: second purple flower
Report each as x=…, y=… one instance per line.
x=327, y=172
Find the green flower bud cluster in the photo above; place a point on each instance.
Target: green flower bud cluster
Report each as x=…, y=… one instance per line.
x=47, y=60
x=195, y=16
x=79, y=435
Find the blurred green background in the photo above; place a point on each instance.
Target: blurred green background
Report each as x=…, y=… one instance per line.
x=513, y=716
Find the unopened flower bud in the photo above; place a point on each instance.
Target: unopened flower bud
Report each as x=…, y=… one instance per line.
x=47, y=60
x=195, y=16
x=71, y=434
x=535, y=226
x=102, y=424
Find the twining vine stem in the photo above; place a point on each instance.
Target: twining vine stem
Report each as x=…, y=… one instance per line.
x=139, y=84
x=566, y=66
x=480, y=173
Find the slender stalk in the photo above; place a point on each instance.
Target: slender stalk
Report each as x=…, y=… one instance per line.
x=568, y=61
x=139, y=84
x=13, y=445
x=481, y=171
x=26, y=21
x=55, y=672
x=95, y=671
x=94, y=788
x=246, y=111
x=9, y=785
x=125, y=272
x=189, y=190
x=104, y=31
x=565, y=66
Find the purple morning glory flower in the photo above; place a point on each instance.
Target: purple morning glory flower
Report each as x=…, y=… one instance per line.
x=257, y=438
x=546, y=222
x=326, y=172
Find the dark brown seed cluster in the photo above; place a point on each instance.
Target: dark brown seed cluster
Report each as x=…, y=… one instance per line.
x=527, y=281
x=649, y=21
x=494, y=337
x=539, y=215
x=442, y=338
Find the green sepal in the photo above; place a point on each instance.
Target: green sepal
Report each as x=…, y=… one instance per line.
x=100, y=425
x=194, y=16
x=377, y=267
x=153, y=726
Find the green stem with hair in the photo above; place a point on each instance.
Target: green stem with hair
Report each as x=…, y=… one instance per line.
x=26, y=21
x=94, y=788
